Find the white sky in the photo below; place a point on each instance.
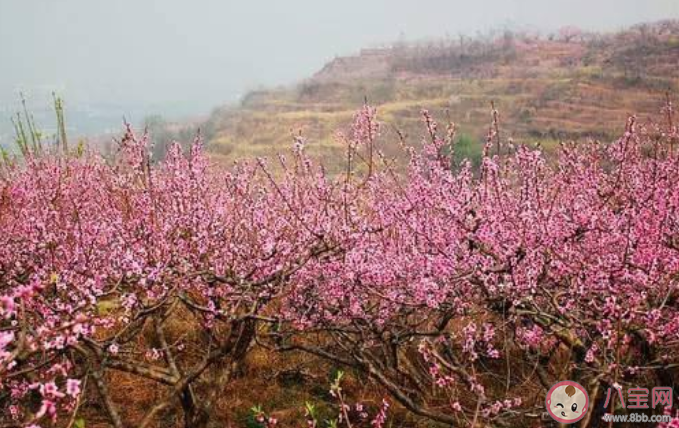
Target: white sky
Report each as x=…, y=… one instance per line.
x=200, y=53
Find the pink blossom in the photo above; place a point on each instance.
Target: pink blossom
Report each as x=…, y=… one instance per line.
x=73, y=387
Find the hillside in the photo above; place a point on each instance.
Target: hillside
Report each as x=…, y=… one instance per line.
x=571, y=85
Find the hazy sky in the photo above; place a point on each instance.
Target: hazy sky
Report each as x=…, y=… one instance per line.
x=201, y=53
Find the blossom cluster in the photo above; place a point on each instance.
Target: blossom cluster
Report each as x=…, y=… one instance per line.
x=433, y=280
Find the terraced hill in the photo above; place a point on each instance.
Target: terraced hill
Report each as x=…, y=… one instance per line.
x=569, y=86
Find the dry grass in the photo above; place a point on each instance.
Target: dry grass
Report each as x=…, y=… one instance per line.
x=549, y=90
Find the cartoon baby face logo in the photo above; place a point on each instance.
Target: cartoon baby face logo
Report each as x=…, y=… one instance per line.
x=567, y=402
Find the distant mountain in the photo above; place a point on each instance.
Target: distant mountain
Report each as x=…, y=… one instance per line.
x=570, y=85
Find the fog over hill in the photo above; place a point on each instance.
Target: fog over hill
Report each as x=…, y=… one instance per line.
x=174, y=58
x=574, y=84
